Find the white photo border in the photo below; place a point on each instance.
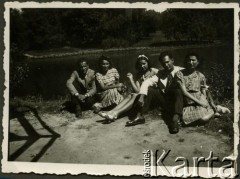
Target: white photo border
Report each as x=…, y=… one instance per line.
x=117, y=170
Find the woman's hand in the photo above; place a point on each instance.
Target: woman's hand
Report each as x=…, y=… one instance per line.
x=119, y=87
x=135, y=85
x=213, y=106
x=204, y=104
x=130, y=76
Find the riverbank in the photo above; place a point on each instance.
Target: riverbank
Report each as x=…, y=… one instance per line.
x=222, y=124
x=55, y=53
x=69, y=51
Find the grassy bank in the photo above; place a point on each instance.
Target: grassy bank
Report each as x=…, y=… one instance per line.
x=69, y=51
x=222, y=125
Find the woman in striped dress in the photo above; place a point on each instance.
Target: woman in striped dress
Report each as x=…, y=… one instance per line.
x=193, y=84
x=107, y=79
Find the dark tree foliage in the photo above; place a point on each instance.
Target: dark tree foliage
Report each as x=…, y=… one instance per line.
x=44, y=28
x=197, y=24
x=36, y=29
x=18, y=30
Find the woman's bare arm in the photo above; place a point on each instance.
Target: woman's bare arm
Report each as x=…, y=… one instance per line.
x=105, y=87
x=135, y=85
x=188, y=95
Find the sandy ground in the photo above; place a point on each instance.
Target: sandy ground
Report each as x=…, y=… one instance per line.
x=60, y=137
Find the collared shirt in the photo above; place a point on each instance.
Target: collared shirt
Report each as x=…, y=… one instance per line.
x=154, y=79
x=141, y=79
x=88, y=82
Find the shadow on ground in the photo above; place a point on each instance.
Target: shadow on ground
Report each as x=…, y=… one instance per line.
x=32, y=136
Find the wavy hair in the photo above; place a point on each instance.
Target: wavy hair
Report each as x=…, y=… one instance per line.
x=139, y=58
x=100, y=60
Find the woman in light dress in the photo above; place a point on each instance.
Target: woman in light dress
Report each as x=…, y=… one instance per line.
x=108, y=86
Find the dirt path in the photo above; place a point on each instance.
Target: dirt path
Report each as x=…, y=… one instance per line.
x=88, y=141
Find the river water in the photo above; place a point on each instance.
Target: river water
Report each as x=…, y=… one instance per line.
x=47, y=77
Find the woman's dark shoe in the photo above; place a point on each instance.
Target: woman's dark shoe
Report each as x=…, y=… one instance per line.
x=135, y=122
x=106, y=121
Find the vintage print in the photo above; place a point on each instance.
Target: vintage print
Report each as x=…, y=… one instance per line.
x=121, y=89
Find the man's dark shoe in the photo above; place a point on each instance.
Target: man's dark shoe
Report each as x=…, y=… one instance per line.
x=174, y=127
x=135, y=122
x=78, y=112
x=173, y=130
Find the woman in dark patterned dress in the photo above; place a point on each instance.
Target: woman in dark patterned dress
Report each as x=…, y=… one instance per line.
x=193, y=84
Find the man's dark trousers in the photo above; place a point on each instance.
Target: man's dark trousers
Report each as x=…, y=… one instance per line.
x=171, y=101
x=88, y=102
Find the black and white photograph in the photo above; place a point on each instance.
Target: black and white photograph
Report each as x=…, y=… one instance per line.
x=121, y=89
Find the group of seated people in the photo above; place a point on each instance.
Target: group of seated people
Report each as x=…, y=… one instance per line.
x=181, y=93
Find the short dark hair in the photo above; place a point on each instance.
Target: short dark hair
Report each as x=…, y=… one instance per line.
x=81, y=60
x=191, y=54
x=104, y=57
x=164, y=54
x=142, y=57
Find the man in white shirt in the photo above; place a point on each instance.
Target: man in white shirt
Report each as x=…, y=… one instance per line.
x=167, y=94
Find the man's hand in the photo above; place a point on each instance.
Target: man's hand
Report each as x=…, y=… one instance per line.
x=81, y=97
x=141, y=100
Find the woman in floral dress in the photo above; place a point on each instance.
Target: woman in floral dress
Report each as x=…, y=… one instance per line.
x=193, y=85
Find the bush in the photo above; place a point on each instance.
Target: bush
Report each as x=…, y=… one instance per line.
x=221, y=82
x=18, y=69
x=222, y=89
